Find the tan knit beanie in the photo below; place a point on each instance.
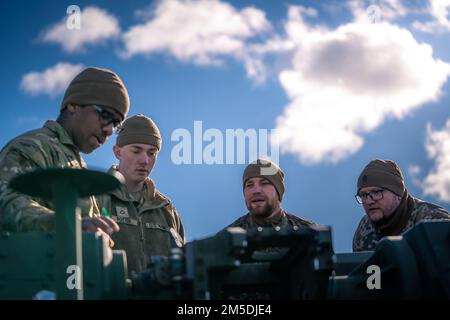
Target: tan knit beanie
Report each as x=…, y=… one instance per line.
x=139, y=129
x=384, y=174
x=98, y=86
x=266, y=169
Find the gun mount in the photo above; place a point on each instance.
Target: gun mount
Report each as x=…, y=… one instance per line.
x=263, y=263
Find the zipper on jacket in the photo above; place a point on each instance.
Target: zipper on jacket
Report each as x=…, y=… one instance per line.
x=141, y=227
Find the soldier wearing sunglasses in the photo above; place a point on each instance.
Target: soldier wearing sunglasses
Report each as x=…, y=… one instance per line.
x=95, y=103
x=390, y=209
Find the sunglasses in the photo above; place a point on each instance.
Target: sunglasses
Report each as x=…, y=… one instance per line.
x=106, y=116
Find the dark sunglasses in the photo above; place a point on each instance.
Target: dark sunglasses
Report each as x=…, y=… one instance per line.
x=106, y=117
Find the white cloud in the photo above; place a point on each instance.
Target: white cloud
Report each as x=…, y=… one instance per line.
x=437, y=182
x=52, y=81
x=439, y=10
x=414, y=172
x=345, y=82
x=200, y=31
x=97, y=26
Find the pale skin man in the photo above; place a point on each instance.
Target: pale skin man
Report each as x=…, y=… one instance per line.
x=262, y=200
x=150, y=224
x=390, y=210
x=263, y=193
x=379, y=204
x=263, y=189
x=136, y=163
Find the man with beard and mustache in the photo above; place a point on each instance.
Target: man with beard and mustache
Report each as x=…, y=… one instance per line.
x=150, y=225
x=263, y=188
x=94, y=104
x=263, y=192
x=390, y=209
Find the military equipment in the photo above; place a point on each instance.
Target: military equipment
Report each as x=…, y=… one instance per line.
x=49, y=258
x=262, y=263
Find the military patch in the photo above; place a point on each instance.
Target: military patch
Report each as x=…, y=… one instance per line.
x=122, y=212
x=128, y=221
x=156, y=226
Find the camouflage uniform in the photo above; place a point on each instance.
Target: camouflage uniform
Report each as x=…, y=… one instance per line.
x=47, y=147
x=286, y=220
x=367, y=236
x=148, y=226
x=246, y=222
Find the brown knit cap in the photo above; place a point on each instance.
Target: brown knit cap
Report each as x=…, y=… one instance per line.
x=139, y=129
x=384, y=174
x=266, y=169
x=98, y=86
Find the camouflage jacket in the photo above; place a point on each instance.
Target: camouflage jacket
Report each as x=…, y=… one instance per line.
x=287, y=219
x=47, y=147
x=148, y=226
x=367, y=237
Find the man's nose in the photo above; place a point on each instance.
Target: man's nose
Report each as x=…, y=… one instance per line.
x=256, y=189
x=144, y=159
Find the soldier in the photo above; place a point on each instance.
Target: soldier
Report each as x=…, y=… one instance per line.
x=263, y=193
x=263, y=187
x=149, y=223
x=390, y=209
x=95, y=103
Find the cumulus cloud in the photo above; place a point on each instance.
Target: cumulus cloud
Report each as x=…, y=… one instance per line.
x=346, y=82
x=439, y=11
x=414, y=173
x=200, y=31
x=437, y=181
x=97, y=26
x=51, y=81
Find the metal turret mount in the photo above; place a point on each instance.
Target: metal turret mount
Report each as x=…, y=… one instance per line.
x=64, y=187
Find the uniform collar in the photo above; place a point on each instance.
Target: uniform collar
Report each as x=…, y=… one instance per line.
x=61, y=133
x=282, y=221
x=64, y=138
x=152, y=198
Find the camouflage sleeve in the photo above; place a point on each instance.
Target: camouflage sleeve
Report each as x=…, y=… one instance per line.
x=430, y=212
x=19, y=212
x=298, y=221
x=357, y=241
x=241, y=222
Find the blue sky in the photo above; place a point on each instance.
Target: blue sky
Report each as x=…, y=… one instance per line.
x=342, y=82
